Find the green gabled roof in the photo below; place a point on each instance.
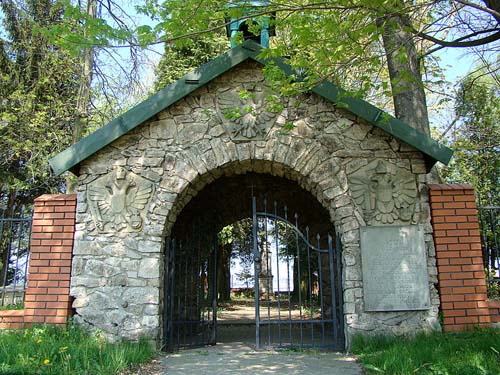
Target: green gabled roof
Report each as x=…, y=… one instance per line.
x=70, y=158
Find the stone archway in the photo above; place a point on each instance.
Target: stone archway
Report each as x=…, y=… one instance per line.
x=132, y=190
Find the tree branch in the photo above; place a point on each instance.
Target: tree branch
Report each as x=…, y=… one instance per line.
x=493, y=12
x=461, y=42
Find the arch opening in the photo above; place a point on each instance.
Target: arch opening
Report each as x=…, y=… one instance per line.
x=253, y=257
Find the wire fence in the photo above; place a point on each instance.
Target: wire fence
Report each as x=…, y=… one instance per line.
x=15, y=234
x=489, y=221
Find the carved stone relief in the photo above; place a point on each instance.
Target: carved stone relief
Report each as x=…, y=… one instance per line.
x=385, y=192
x=118, y=201
x=245, y=114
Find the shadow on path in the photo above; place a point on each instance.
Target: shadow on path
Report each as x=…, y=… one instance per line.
x=242, y=359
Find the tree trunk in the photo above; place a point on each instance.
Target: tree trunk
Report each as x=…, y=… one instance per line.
x=224, y=273
x=403, y=62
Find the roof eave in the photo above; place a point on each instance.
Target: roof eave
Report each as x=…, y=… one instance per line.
x=433, y=150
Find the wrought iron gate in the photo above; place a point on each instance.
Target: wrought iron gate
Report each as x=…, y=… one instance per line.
x=302, y=307
x=297, y=286
x=190, y=292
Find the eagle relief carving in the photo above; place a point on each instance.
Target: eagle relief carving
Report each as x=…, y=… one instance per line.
x=245, y=114
x=386, y=193
x=118, y=201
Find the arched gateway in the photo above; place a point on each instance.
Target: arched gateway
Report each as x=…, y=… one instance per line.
x=180, y=166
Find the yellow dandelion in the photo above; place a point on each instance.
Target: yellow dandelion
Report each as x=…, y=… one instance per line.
x=39, y=341
x=46, y=361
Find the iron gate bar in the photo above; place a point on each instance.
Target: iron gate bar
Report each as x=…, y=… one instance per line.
x=288, y=276
x=308, y=321
x=276, y=241
x=191, y=310
x=295, y=226
x=16, y=268
x=338, y=258
x=9, y=254
x=298, y=275
x=256, y=255
x=489, y=222
x=332, y=287
x=315, y=289
x=320, y=285
x=184, y=310
x=267, y=276
x=310, y=282
x=172, y=295
x=214, y=296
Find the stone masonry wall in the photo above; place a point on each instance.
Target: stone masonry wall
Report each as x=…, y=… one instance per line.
x=341, y=160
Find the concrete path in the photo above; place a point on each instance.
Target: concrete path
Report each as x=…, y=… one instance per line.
x=242, y=359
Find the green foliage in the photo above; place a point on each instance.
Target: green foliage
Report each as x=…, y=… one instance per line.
x=184, y=56
x=476, y=137
x=465, y=353
x=16, y=306
x=38, y=86
x=493, y=287
x=48, y=350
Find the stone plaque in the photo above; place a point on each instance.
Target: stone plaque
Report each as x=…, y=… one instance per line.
x=394, y=266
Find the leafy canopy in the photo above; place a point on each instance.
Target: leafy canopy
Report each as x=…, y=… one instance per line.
x=38, y=86
x=476, y=137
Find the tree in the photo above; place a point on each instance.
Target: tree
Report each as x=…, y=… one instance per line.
x=337, y=40
x=38, y=86
x=476, y=137
x=38, y=89
x=350, y=42
x=476, y=140
x=182, y=57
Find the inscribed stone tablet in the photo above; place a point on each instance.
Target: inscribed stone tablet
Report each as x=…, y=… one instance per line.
x=394, y=268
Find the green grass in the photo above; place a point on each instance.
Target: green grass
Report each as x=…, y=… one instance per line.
x=51, y=350
x=465, y=353
x=17, y=306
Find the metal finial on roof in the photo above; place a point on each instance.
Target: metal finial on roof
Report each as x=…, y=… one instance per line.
x=244, y=22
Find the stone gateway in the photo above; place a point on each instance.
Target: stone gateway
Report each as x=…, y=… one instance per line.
x=137, y=174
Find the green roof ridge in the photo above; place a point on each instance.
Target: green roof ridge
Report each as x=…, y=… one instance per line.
x=71, y=157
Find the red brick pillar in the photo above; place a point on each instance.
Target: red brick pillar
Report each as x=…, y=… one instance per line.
x=462, y=284
x=47, y=297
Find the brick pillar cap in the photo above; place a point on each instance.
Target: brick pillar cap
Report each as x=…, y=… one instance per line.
x=56, y=197
x=450, y=187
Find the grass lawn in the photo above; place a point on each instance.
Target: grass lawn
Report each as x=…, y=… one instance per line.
x=465, y=353
x=51, y=350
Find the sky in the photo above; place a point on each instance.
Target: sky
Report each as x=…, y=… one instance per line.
x=456, y=64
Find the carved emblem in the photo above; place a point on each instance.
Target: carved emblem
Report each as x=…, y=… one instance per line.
x=245, y=116
x=385, y=192
x=118, y=200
